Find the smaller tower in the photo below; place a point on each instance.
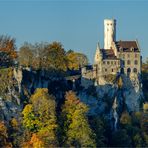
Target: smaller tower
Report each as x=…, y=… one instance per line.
x=98, y=55
x=109, y=33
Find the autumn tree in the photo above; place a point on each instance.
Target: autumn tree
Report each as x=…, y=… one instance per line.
x=77, y=130
x=26, y=55
x=15, y=132
x=8, y=52
x=55, y=57
x=4, y=142
x=39, y=117
x=32, y=55
x=76, y=60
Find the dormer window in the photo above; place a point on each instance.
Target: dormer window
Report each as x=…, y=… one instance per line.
x=132, y=49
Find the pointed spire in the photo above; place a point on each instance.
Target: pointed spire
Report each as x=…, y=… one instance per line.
x=98, y=54
x=98, y=46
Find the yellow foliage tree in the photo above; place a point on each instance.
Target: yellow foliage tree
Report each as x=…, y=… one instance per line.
x=76, y=60
x=39, y=117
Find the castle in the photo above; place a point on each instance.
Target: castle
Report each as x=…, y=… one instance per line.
x=117, y=57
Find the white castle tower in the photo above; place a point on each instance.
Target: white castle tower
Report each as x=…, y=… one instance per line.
x=109, y=32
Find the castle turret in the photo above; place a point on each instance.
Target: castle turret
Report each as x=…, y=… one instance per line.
x=109, y=33
x=98, y=55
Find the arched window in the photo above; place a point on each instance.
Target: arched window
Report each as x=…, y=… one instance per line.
x=128, y=62
x=128, y=70
x=135, y=70
x=135, y=62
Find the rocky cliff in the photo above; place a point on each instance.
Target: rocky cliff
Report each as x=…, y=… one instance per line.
x=100, y=98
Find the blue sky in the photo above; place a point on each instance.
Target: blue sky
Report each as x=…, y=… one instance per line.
x=77, y=24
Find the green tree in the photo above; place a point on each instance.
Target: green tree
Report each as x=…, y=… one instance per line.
x=120, y=139
x=55, y=57
x=138, y=141
x=98, y=127
x=74, y=116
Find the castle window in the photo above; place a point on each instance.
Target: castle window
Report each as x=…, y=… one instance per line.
x=112, y=70
x=123, y=56
x=128, y=70
x=104, y=62
x=123, y=62
x=105, y=70
x=128, y=55
x=115, y=62
x=128, y=62
x=108, y=62
x=135, y=62
x=112, y=62
x=135, y=55
x=135, y=70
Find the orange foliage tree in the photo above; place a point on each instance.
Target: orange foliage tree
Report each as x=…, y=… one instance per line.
x=7, y=50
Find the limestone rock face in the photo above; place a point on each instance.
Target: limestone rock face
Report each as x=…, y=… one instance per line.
x=129, y=96
x=23, y=84
x=9, y=109
x=18, y=76
x=132, y=92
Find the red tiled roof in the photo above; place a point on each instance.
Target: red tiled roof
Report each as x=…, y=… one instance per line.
x=108, y=54
x=127, y=46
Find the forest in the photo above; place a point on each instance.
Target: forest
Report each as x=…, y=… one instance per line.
x=54, y=116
